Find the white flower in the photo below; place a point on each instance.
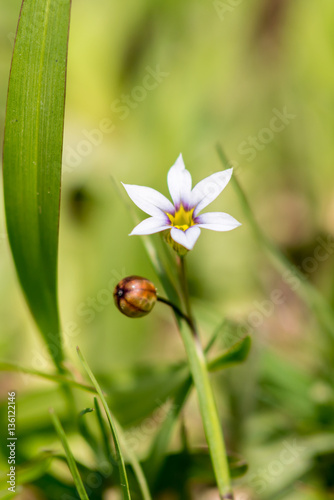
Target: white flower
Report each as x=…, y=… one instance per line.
x=183, y=216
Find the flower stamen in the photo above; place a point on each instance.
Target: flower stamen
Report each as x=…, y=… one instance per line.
x=182, y=219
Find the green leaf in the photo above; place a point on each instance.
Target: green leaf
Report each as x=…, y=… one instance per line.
x=286, y=384
x=211, y=422
x=32, y=157
x=235, y=354
x=119, y=457
x=60, y=379
x=70, y=459
x=119, y=438
x=136, y=392
x=215, y=335
x=159, y=447
x=84, y=429
x=103, y=429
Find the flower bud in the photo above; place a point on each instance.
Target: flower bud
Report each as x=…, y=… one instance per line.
x=135, y=296
x=179, y=249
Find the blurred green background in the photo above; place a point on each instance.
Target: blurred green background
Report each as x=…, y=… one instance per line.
x=223, y=72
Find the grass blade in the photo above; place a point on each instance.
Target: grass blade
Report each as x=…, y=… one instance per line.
x=119, y=457
x=105, y=439
x=235, y=354
x=53, y=377
x=119, y=439
x=159, y=447
x=70, y=459
x=32, y=157
x=84, y=429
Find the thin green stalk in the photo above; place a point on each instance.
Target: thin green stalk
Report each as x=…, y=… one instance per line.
x=53, y=377
x=159, y=447
x=84, y=429
x=119, y=457
x=208, y=408
x=175, y=309
x=185, y=290
x=119, y=440
x=70, y=459
x=105, y=439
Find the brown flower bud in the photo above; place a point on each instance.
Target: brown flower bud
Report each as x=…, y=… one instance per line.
x=135, y=296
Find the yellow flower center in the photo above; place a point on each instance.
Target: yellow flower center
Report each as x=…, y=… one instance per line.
x=182, y=219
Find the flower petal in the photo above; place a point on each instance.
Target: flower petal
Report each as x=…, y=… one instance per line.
x=151, y=225
x=186, y=238
x=149, y=200
x=217, y=221
x=208, y=189
x=179, y=183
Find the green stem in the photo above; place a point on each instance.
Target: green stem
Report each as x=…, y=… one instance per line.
x=185, y=289
x=208, y=408
x=176, y=309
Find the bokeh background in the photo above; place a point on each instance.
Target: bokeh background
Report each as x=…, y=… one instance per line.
x=217, y=71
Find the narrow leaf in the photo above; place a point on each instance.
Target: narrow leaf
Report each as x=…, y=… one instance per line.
x=119, y=457
x=235, y=354
x=84, y=429
x=159, y=448
x=119, y=439
x=70, y=459
x=215, y=336
x=32, y=157
x=53, y=377
x=105, y=439
x=134, y=393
